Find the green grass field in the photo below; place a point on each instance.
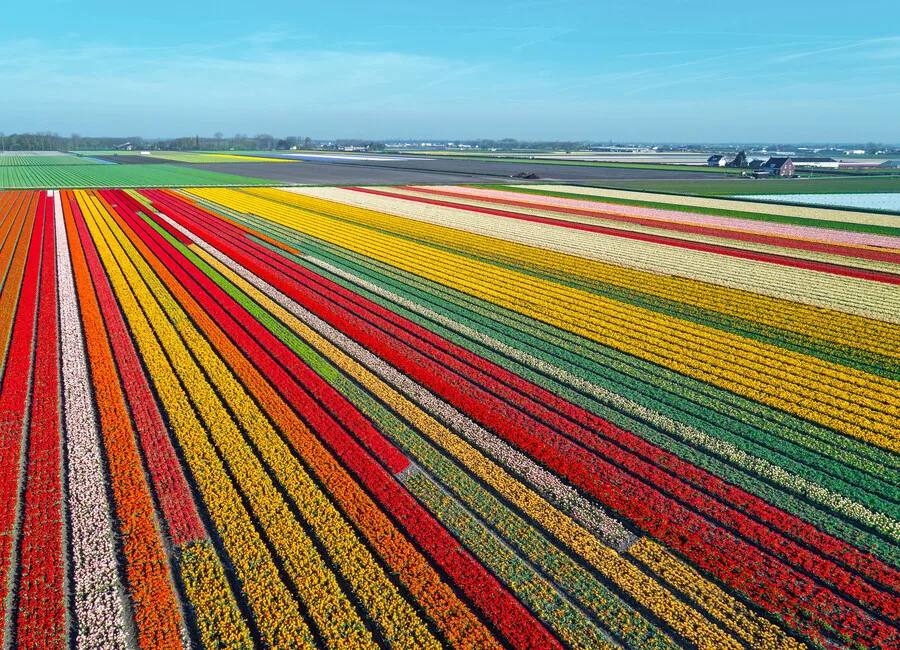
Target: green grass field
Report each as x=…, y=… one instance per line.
x=117, y=176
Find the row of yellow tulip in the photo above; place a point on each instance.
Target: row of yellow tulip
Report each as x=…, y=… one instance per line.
x=850, y=401
x=370, y=583
x=277, y=613
x=816, y=322
x=750, y=627
x=206, y=587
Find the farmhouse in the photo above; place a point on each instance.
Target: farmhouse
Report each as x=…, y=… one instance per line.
x=778, y=167
x=716, y=161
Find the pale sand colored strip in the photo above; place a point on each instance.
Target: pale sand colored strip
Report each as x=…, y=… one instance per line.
x=829, y=258
x=845, y=216
x=850, y=295
x=667, y=217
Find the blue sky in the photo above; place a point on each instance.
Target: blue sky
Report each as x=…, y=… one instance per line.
x=674, y=70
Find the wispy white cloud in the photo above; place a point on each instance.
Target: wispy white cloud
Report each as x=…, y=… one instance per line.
x=638, y=55
x=855, y=45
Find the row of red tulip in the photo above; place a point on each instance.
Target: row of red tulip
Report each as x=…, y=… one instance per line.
x=510, y=618
x=41, y=615
x=16, y=386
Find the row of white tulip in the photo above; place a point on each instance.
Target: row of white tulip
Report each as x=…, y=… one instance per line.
x=99, y=593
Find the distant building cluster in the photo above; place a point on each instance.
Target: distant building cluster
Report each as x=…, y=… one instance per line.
x=786, y=166
x=431, y=145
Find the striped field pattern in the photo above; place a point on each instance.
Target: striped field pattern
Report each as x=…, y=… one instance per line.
x=446, y=416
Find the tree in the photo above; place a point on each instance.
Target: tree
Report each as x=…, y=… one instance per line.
x=740, y=160
x=307, y=143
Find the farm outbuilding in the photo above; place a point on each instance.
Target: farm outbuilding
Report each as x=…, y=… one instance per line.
x=820, y=162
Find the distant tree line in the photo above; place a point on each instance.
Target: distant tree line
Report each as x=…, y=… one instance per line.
x=236, y=142
x=50, y=141
x=342, y=143
x=511, y=144
x=240, y=142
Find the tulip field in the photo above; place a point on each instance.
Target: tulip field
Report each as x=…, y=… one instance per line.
x=446, y=416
